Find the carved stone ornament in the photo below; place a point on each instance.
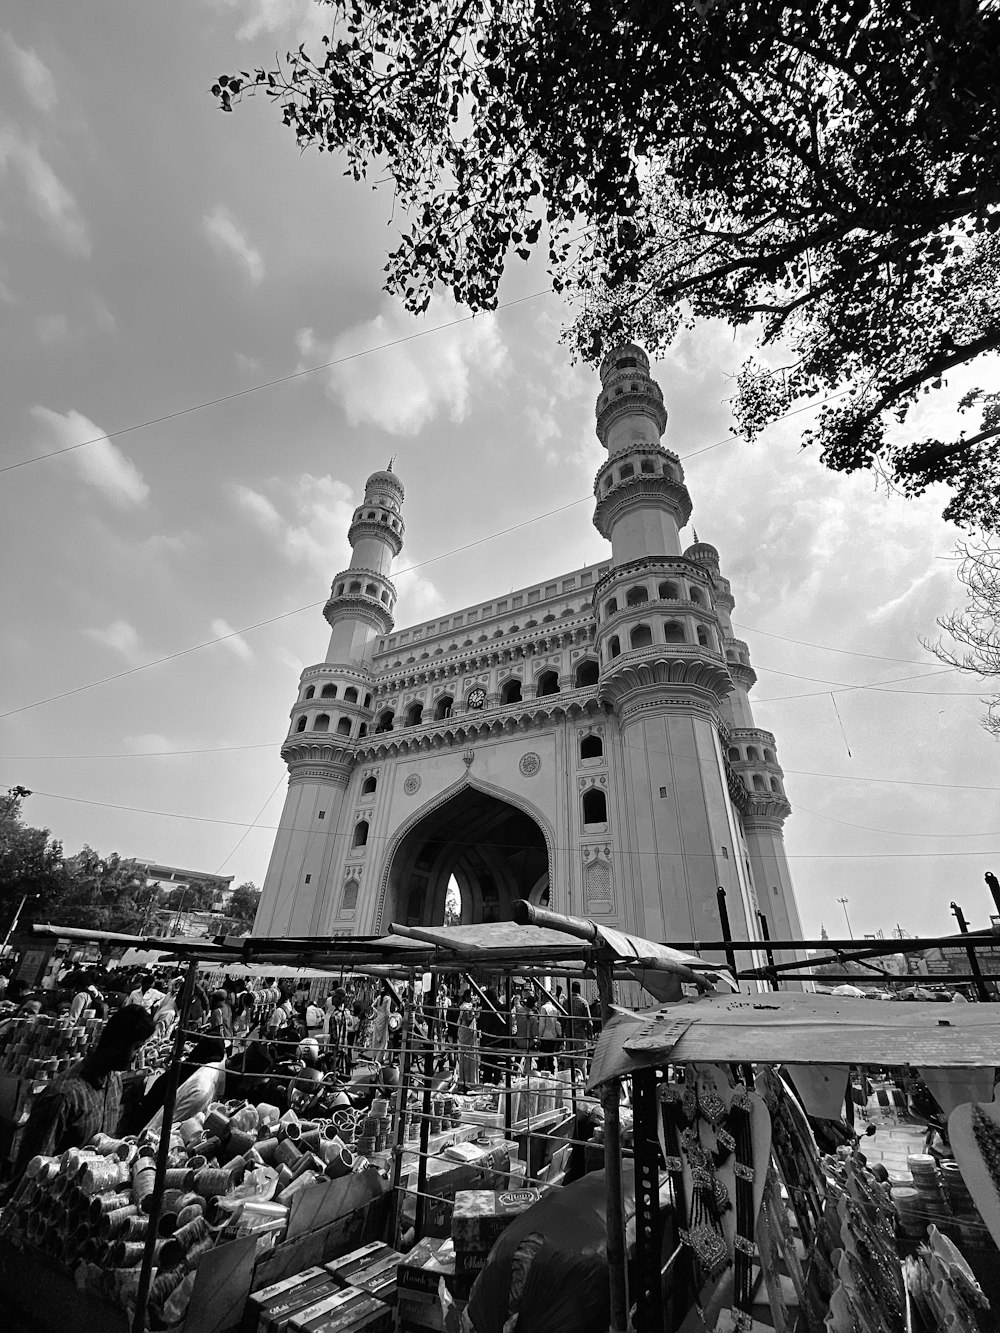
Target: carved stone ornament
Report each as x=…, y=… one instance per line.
x=412, y=784
x=468, y=757
x=530, y=764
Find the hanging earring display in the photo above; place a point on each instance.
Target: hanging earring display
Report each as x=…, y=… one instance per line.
x=716, y=1141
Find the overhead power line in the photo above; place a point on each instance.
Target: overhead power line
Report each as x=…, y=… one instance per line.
x=256, y=388
x=239, y=823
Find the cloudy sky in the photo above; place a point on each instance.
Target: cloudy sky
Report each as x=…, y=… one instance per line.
x=163, y=587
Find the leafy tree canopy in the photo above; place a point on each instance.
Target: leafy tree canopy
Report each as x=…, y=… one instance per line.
x=825, y=172
x=243, y=905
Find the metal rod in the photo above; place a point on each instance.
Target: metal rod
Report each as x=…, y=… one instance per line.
x=974, y=968
x=614, y=1212
x=508, y=1061
x=720, y=897
x=163, y=1150
x=425, y=1123
x=405, y=1060
x=903, y=979
x=765, y=935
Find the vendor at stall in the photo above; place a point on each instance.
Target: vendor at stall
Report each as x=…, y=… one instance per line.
x=202, y=1081
x=86, y=1100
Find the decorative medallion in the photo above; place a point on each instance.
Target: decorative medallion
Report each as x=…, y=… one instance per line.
x=468, y=757
x=412, y=784
x=530, y=764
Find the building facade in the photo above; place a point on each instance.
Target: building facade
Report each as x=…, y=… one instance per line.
x=587, y=742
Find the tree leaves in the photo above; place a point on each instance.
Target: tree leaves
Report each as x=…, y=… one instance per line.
x=827, y=174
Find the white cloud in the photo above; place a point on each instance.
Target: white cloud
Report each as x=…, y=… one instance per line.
x=100, y=464
x=258, y=506
x=229, y=238
x=306, y=19
x=46, y=193
x=418, y=598
x=318, y=535
x=232, y=640
x=123, y=638
x=35, y=76
x=148, y=741
x=402, y=388
x=51, y=329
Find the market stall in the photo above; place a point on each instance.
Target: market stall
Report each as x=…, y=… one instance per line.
x=682, y=1188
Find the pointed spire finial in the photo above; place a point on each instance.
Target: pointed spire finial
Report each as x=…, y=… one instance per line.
x=695, y=531
x=391, y=461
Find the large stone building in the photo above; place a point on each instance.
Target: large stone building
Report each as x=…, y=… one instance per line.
x=586, y=742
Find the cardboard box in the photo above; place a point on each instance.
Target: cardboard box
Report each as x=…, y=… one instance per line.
x=261, y=1303
x=421, y=1270
x=349, y=1310
x=295, y=1301
x=372, y=1268
x=480, y=1217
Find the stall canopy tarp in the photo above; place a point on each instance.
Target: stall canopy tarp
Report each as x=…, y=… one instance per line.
x=778, y=1028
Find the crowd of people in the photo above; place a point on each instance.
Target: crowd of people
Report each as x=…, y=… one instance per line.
x=282, y=1043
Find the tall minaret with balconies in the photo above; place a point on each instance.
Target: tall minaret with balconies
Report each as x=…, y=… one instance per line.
x=332, y=711
x=677, y=683
x=752, y=753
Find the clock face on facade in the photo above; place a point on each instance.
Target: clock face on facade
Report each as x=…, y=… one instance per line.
x=477, y=697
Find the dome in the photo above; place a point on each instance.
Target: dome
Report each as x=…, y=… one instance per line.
x=703, y=553
x=385, y=480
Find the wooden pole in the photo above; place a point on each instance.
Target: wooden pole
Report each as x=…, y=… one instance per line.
x=405, y=1060
x=163, y=1149
x=615, y=1213
x=508, y=1062
x=425, y=1127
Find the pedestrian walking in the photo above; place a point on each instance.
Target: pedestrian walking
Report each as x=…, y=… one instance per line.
x=580, y=1026
x=549, y=1036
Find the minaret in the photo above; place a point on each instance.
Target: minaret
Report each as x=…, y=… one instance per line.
x=752, y=753
x=663, y=637
x=332, y=711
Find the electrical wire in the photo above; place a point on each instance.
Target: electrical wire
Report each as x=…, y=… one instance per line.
x=267, y=384
x=828, y=648
x=894, y=832
x=509, y=846
x=310, y=606
x=257, y=816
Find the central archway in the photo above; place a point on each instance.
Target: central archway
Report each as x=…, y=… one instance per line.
x=496, y=852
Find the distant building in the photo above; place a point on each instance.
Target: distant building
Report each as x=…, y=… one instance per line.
x=172, y=877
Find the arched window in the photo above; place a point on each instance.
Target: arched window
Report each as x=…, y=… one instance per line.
x=310, y=691
x=511, y=692
x=636, y=596
x=758, y=783
x=668, y=592
x=591, y=747
x=443, y=707
x=627, y=471
x=595, y=807
x=646, y=465
x=731, y=656
x=328, y=692
x=368, y=701
x=612, y=608
x=641, y=636
x=752, y=754
x=703, y=637
x=350, y=695
x=340, y=590
x=385, y=596
x=355, y=587
x=350, y=899
x=776, y=786
x=548, y=683
x=322, y=722
x=384, y=721
x=673, y=632
x=301, y=724
x=768, y=756
x=734, y=754
x=369, y=786
x=587, y=674
x=614, y=647
x=371, y=590
x=414, y=715
x=696, y=597
x=360, y=833
x=363, y=729
x=344, y=727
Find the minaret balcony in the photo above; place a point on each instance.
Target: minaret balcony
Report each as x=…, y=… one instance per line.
x=637, y=491
x=684, y=666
